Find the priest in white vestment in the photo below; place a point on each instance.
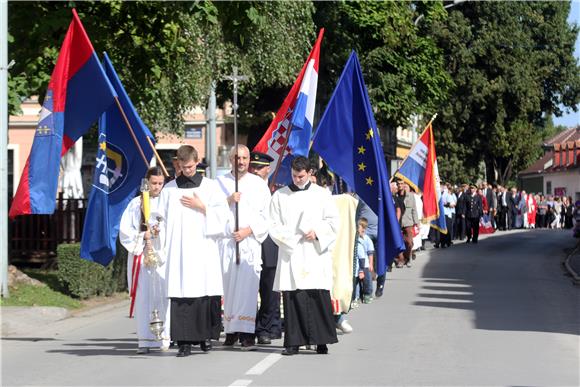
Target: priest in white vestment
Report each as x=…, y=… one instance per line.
x=304, y=222
x=242, y=279
x=196, y=214
x=149, y=282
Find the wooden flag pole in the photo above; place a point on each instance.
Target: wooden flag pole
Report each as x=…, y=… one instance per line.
x=128, y=124
x=159, y=160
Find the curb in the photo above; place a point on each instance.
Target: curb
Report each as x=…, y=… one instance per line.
x=23, y=321
x=568, y=266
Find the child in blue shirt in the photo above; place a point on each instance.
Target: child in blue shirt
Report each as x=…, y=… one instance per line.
x=365, y=252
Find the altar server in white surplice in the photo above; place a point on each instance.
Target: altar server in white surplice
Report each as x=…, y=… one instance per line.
x=242, y=280
x=149, y=282
x=196, y=214
x=304, y=222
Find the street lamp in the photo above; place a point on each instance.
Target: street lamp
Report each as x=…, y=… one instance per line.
x=455, y=2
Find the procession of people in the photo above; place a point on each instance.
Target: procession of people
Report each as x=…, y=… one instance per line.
x=261, y=265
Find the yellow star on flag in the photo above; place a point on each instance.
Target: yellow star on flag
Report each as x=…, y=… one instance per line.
x=369, y=134
x=369, y=180
x=361, y=166
x=361, y=150
x=103, y=146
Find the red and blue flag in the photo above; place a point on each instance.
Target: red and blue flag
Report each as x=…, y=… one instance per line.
x=294, y=120
x=78, y=92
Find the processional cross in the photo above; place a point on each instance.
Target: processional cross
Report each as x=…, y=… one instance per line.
x=235, y=78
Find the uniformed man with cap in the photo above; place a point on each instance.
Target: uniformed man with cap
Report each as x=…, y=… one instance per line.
x=268, y=324
x=201, y=167
x=474, y=211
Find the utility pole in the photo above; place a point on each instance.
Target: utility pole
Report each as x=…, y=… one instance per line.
x=4, y=145
x=211, y=147
x=235, y=78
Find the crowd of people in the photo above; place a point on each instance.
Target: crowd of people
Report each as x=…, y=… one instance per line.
x=233, y=256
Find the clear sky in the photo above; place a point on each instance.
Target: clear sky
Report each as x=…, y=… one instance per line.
x=572, y=119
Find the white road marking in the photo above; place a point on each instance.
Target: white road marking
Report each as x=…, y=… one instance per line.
x=241, y=383
x=263, y=365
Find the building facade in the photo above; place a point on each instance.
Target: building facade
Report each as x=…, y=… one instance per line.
x=557, y=172
x=22, y=127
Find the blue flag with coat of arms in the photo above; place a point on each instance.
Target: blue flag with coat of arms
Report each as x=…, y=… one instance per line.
x=118, y=173
x=348, y=140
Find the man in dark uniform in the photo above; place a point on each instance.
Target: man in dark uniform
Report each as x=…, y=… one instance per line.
x=268, y=324
x=473, y=212
x=460, y=209
x=201, y=168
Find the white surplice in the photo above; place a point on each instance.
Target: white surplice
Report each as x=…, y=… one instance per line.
x=303, y=264
x=242, y=281
x=191, y=240
x=151, y=286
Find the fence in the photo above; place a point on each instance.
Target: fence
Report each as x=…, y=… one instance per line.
x=33, y=238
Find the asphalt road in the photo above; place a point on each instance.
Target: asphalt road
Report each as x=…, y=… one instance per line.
x=497, y=313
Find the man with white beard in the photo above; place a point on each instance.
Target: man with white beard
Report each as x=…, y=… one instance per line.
x=241, y=273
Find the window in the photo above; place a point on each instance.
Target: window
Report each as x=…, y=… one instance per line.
x=548, y=188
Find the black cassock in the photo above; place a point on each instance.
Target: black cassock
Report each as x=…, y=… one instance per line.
x=195, y=319
x=308, y=318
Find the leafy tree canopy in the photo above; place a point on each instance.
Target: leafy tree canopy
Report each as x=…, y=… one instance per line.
x=166, y=53
x=512, y=64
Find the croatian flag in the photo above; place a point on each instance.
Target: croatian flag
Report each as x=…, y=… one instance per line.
x=294, y=118
x=420, y=171
x=78, y=92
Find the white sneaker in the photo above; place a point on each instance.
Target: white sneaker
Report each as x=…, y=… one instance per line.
x=344, y=327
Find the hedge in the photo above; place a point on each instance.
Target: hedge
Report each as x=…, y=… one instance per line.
x=84, y=279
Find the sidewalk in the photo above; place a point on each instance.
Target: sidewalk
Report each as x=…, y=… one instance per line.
x=572, y=264
x=33, y=320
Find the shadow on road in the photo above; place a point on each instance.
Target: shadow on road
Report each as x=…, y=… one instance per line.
x=512, y=282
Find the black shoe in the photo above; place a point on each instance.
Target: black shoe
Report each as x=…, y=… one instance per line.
x=205, y=345
x=249, y=345
x=436, y=245
x=231, y=339
x=468, y=241
x=184, y=350
x=289, y=351
x=322, y=349
x=264, y=340
x=379, y=291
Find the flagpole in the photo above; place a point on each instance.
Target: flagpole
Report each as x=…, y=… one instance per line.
x=415, y=144
x=128, y=124
x=159, y=160
x=279, y=162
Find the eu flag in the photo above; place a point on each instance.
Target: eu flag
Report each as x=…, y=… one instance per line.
x=118, y=173
x=348, y=140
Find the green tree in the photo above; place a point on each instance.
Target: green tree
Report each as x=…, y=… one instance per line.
x=167, y=53
x=512, y=65
x=404, y=70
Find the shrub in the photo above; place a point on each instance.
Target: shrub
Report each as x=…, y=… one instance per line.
x=84, y=279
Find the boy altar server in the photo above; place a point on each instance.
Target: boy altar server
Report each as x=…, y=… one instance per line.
x=304, y=223
x=196, y=214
